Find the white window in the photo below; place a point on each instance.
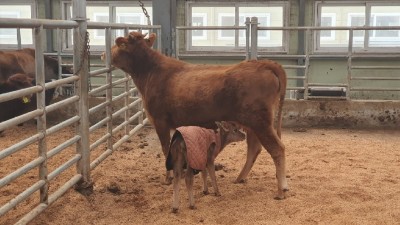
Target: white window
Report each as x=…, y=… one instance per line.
x=328, y=20
x=198, y=20
x=358, y=14
x=226, y=19
x=113, y=12
x=230, y=14
x=9, y=36
x=100, y=17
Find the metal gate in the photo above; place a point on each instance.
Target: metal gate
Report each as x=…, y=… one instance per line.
x=132, y=111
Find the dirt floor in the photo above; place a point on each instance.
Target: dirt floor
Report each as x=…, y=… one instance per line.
x=337, y=176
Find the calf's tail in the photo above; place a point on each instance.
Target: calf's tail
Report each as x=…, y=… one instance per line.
x=281, y=75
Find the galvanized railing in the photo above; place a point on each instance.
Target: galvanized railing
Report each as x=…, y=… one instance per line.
x=80, y=100
x=303, y=84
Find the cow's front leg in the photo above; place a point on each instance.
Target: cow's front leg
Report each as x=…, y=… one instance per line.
x=253, y=150
x=163, y=133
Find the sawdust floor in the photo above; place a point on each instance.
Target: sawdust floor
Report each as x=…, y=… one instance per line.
x=337, y=176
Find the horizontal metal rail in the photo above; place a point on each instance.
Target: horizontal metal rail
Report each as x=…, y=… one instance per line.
x=373, y=89
x=62, y=125
x=20, y=145
x=99, y=124
x=20, y=119
x=99, y=71
x=21, y=171
x=98, y=107
x=62, y=103
x=375, y=78
x=57, y=194
x=64, y=167
x=34, y=23
x=63, y=146
x=21, y=197
x=99, y=141
x=19, y=93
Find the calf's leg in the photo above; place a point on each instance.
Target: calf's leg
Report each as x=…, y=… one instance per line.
x=163, y=133
x=211, y=169
x=189, y=186
x=205, y=186
x=253, y=149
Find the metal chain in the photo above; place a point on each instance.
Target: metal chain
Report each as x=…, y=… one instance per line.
x=141, y=4
x=84, y=53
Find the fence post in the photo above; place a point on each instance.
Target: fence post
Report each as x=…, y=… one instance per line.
x=40, y=104
x=82, y=88
x=247, y=38
x=254, y=37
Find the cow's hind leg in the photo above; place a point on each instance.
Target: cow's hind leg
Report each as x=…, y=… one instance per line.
x=270, y=140
x=253, y=149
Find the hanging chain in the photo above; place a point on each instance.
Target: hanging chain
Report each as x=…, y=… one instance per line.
x=141, y=4
x=85, y=52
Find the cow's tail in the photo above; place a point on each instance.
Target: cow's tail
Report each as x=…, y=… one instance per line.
x=281, y=75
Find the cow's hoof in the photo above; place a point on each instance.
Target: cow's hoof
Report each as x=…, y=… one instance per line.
x=217, y=194
x=175, y=210
x=206, y=192
x=241, y=181
x=168, y=181
x=192, y=207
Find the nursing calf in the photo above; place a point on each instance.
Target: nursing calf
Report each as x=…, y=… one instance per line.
x=176, y=93
x=195, y=149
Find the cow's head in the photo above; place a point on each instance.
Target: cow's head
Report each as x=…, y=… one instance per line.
x=128, y=45
x=20, y=81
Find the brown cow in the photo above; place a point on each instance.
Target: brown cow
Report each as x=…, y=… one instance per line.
x=176, y=93
x=15, y=107
x=23, y=61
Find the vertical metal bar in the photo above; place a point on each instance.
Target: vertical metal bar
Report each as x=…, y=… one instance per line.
x=306, y=61
x=80, y=61
x=19, y=42
x=367, y=23
x=109, y=90
x=254, y=37
x=349, y=58
x=176, y=43
x=40, y=103
x=248, y=54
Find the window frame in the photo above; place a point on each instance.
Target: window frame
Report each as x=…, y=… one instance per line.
x=204, y=35
x=238, y=48
x=32, y=4
x=368, y=46
x=112, y=8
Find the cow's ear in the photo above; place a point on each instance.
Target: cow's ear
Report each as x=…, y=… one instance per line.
x=121, y=42
x=151, y=39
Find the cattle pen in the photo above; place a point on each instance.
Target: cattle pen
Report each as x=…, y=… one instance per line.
x=99, y=111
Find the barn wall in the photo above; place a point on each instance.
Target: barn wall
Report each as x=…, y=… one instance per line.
x=299, y=113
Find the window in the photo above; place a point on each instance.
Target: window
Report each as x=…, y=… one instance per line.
x=113, y=12
x=9, y=36
x=198, y=20
x=100, y=17
x=354, y=14
x=328, y=20
x=234, y=14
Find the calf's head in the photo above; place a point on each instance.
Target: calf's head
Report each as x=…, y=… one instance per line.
x=230, y=131
x=20, y=81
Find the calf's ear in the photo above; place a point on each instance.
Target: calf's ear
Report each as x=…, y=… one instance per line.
x=121, y=42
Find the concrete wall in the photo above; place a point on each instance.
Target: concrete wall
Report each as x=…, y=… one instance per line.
x=296, y=113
